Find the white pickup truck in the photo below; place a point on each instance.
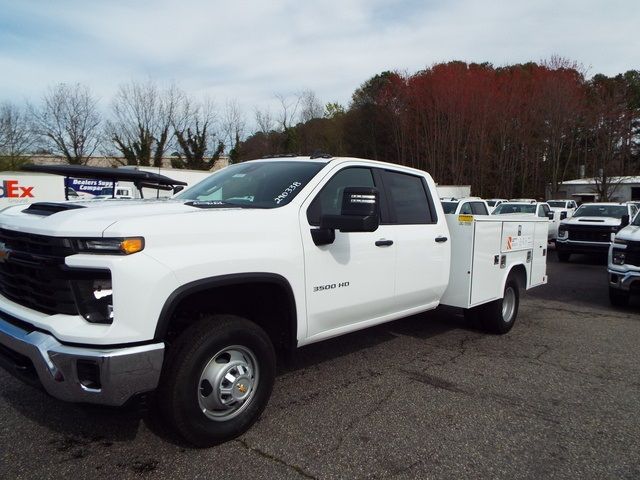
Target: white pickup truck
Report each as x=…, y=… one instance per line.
x=624, y=263
x=190, y=298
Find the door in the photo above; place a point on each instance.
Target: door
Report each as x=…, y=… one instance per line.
x=539, y=260
x=351, y=280
x=423, y=246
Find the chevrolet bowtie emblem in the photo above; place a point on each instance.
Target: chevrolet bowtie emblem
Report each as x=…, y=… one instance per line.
x=4, y=252
x=242, y=388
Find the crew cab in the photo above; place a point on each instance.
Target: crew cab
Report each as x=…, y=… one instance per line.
x=624, y=263
x=188, y=299
x=537, y=209
x=590, y=229
x=565, y=207
x=465, y=206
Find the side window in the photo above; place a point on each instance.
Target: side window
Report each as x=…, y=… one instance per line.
x=479, y=208
x=466, y=209
x=573, y=205
x=329, y=200
x=408, y=198
x=543, y=211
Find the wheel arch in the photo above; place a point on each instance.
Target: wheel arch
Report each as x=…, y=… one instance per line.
x=223, y=283
x=519, y=272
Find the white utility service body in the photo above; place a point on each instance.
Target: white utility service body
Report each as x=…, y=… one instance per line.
x=105, y=300
x=484, y=249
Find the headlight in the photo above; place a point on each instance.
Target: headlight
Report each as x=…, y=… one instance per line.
x=562, y=231
x=111, y=246
x=615, y=229
x=620, y=241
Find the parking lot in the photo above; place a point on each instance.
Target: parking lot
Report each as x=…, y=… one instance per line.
x=424, y=397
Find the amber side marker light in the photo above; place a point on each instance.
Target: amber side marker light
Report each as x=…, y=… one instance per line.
x=132, y=245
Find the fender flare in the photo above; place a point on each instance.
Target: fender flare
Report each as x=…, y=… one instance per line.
x=202, y=284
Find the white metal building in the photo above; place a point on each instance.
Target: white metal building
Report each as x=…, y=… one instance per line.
x=621, y=189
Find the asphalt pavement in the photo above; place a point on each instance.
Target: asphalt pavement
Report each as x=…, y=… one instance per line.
x=423, y=397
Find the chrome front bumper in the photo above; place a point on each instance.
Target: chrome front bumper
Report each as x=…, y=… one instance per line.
x=623, y=280
x=114, y=375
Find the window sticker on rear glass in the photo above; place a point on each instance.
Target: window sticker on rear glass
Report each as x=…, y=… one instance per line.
x=290, y=189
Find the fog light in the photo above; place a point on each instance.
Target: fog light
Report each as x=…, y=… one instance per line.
x=88, y=374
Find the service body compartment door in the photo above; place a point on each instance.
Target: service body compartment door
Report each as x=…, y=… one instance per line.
x=486, y=281
x=518, y=236
x=539, y=261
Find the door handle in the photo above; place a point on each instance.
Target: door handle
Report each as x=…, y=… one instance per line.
x=441, y=239
x=384, y=243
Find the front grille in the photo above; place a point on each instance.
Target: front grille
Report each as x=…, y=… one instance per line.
x=584, y=233
x=32, y=274
x=632, y=253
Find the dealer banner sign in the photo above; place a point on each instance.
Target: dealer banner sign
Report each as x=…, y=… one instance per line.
x=88, y=185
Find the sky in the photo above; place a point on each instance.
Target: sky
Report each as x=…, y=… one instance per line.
x=251, y=51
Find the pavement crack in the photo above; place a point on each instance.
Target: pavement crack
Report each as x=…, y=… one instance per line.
x=299, y=470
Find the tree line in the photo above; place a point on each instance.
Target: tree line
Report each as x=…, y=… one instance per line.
x=507, y=131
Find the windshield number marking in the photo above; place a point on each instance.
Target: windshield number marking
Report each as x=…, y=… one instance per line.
x=290, y=189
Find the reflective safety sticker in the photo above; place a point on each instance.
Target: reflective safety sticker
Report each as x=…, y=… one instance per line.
x=465, y=219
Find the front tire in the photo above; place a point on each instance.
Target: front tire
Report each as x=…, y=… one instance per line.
x=217, y=379
x=499, y=316
x=618, y=298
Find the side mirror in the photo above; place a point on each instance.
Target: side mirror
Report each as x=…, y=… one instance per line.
x=563, y=215
x=178, y=189
x=624, y=221
x=360, y=212
x=550, y=215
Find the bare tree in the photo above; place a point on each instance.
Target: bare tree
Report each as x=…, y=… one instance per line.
x=265, y=121
x=310, y=106
x=288, y=111
x=233, y=127
x=16, y=135
x=194, y=128
x=142, y=120
x=68, y=122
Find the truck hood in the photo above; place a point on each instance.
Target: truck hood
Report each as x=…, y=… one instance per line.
x=593, y=221
x=92, y=218
x=630, y=233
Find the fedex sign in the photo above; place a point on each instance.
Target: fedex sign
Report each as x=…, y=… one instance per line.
x=12, y=189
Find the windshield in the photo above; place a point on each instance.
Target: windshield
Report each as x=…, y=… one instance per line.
x=556, y=204
x=594, y=210
x=449, y=207
x=254, y=184
x=515, y=208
